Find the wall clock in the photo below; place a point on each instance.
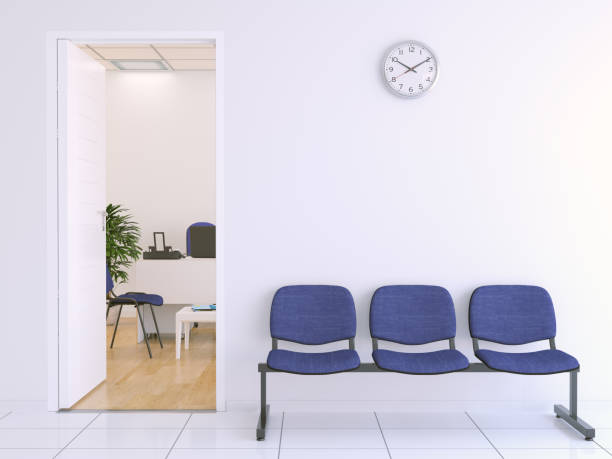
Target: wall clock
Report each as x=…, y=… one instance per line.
x=410, y=69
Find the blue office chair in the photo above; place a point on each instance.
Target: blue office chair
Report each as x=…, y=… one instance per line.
x=414, y=314
x=195, y=225
x=517, y=314
x=135, y=299
x=313, y=314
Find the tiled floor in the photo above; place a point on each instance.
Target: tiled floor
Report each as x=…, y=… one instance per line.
x=479, y=433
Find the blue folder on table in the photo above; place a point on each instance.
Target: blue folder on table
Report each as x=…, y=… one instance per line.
x=204, y=307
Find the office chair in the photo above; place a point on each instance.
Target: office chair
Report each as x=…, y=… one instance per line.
x=135, y=299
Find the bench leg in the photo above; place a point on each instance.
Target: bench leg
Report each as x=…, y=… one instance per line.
x=571, y=416
x=264, y=410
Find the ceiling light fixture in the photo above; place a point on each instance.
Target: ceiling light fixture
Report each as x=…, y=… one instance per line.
x=140, y=64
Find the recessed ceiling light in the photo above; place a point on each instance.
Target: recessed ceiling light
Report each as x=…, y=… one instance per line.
x=140, y=65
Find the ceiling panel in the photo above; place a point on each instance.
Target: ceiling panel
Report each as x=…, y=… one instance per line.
x=192, y=52
x=181, y=56
x=90, y=51
x=192, y=64
x=108, y=65
x=125, y=52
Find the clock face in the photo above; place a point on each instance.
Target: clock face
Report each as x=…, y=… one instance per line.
x=410, y=69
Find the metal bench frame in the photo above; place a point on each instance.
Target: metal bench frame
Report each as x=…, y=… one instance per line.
x=570, y=416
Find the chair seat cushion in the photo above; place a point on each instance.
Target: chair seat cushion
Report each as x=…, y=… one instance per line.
x=531, y=363
x=421, y=363
x=313, y=363
x=143, y=298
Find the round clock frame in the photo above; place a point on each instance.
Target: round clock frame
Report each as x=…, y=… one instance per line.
x=405, y=44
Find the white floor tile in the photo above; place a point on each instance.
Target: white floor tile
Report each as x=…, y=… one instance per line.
x=301, y=420
x=517, y=420
x=224, y=454
x=24, y=406
x=444, y=454
x=28, y=453
x=132, y=438
x=553, y=454
x=46, y=420
x=227, y=438
x=537, y=438
x=153, y=420
x=332, y=438
x=113, y=454
x=596, y=413
x=233, y=420
x=435, y=438
x=36, y=438
x=334, y=454
x=426, y=420
x=604, y=437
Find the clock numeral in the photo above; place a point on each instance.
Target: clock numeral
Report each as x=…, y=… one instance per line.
x=411, y=49
x=430, y=69
x=420, y=86
x=428, y=79
x=401, y=85
x=390, y=69
x=401, y=52
x=410, y=89
x=394, y=59
x=393, y=79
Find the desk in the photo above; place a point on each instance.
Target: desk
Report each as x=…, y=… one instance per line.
x=187, y=316
x=186, y=281
x=165, y=316
x=180, y=282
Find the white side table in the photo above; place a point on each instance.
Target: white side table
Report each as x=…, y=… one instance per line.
x=188, y=316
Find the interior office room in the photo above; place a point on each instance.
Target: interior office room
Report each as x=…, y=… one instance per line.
x=160, y=183
x=333, y=229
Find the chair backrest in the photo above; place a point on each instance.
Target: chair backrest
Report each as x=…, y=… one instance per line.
x=313, y=314
x=109, y=280
x=197, y=225
x=512, y=314
x=412, y=314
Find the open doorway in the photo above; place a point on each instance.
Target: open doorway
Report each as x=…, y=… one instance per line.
x=159, y=172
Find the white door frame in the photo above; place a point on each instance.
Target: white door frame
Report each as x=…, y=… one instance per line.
x=53, y=293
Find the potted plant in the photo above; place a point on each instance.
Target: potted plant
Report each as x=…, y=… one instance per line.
x=122, y=237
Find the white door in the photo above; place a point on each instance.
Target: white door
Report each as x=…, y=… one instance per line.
x=82, y=198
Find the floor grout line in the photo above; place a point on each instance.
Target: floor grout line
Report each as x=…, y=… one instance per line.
x=605, y=449
x=484, y=435
x=178, y=436
x=383, y=434
x=280, y=440
x=80, y=432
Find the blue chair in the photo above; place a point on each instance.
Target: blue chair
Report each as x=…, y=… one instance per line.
x=412, y=315
x=206, y=244
x=135, y=299
x=311, y=315
x=517, y=314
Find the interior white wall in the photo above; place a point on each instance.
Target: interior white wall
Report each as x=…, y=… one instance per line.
x=161, y=166
x=499, y=175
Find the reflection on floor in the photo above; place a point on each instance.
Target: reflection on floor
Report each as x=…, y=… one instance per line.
x=136, y=382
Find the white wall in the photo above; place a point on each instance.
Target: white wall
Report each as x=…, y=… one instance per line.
x=501, y=174
x=161, y=166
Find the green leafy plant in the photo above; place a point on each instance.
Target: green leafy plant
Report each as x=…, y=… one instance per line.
x=122, y=237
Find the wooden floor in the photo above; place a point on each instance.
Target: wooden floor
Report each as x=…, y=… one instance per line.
x=136, y=382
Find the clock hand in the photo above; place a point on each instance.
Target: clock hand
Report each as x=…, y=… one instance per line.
x=426, y=60
x=410, y=69
x=404, y=73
